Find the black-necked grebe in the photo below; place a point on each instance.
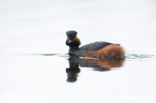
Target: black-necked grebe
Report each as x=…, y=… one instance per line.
x=94, y=50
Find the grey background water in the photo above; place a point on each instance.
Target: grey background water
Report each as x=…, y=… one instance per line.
x=31, y=27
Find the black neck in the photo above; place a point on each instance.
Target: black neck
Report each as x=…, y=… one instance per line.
x=73, y=48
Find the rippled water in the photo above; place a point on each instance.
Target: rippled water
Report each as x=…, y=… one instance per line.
x=35, y=66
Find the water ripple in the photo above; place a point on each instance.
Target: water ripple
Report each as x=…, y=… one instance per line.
x=138, y=56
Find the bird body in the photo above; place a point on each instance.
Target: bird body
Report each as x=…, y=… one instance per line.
x=94, y=50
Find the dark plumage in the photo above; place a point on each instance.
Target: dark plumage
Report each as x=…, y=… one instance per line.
x=96, y=50
x=95, y=45
x=71, y=34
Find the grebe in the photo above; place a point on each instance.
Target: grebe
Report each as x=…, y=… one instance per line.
x=99, y=49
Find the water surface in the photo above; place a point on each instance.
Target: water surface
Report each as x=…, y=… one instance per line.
x=34, y=66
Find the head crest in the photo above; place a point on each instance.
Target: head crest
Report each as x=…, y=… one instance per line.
x=71, y=34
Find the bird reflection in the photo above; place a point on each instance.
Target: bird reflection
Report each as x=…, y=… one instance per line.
x=96, y=64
